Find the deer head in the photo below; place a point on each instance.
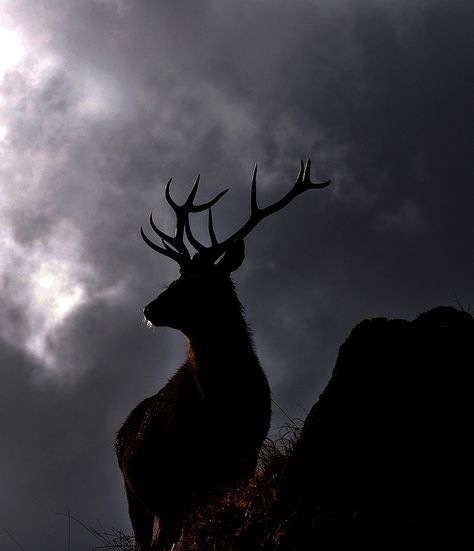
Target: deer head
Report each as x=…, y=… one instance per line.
x=204, y=288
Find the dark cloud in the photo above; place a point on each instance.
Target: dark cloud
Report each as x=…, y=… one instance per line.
x=376, y=93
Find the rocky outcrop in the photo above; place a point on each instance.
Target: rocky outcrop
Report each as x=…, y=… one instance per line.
x=385, y=456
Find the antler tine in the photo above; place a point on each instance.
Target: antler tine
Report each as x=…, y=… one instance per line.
x=189, y=201
x=307, y=178
x=307, y=171
x=174, y=246
x=190, y=207
x=209, y=204
x=179, y=252
x=182, y=213
x=177, y=241
x=166, y=251
x=300, y=176
x=167, y=247
x=174, y=206
x=157, y=230
x=182, y=224
x=194, y=242
x=302, y=184
x=253, y=194
x=212, y=233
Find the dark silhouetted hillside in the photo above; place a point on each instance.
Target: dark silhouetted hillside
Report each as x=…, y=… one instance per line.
x=385, y=456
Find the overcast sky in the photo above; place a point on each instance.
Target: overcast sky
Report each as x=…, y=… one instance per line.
x=102, y=101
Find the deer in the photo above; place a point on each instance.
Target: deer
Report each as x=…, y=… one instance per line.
x=202, y=432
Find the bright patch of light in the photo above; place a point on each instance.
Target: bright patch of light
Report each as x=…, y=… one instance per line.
x=44, y=279
x=12, y=50
x=44, y=283
x=55, y=294
x=148, y=324
x=55, y=291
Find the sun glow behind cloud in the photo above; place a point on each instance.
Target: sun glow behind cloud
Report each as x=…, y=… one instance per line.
x=45, y=277
x=45, y=285
x=12, y=50
x=41, y=281
x=55, y=294
x=53, y=289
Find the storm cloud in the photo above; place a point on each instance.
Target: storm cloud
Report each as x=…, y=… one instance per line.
x=101, y=102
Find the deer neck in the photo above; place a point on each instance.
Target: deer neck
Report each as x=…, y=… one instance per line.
x=225, y=342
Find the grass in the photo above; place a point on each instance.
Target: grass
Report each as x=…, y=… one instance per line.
x=243, y=518
x=109, y=540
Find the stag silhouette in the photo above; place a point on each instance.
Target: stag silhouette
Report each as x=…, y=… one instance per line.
x=203, y=430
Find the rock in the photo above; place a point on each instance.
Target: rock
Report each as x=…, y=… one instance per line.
x=385, y=456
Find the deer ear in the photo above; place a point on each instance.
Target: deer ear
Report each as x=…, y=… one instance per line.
x=233, y=257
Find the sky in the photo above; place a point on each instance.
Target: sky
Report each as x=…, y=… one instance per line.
x=102, y=101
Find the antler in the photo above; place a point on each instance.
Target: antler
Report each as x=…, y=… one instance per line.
x=303, y=183
x=174, y=247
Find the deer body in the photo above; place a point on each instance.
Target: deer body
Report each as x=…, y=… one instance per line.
x=203, y=430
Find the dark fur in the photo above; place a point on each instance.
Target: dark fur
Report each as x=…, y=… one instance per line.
x=203, y=430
